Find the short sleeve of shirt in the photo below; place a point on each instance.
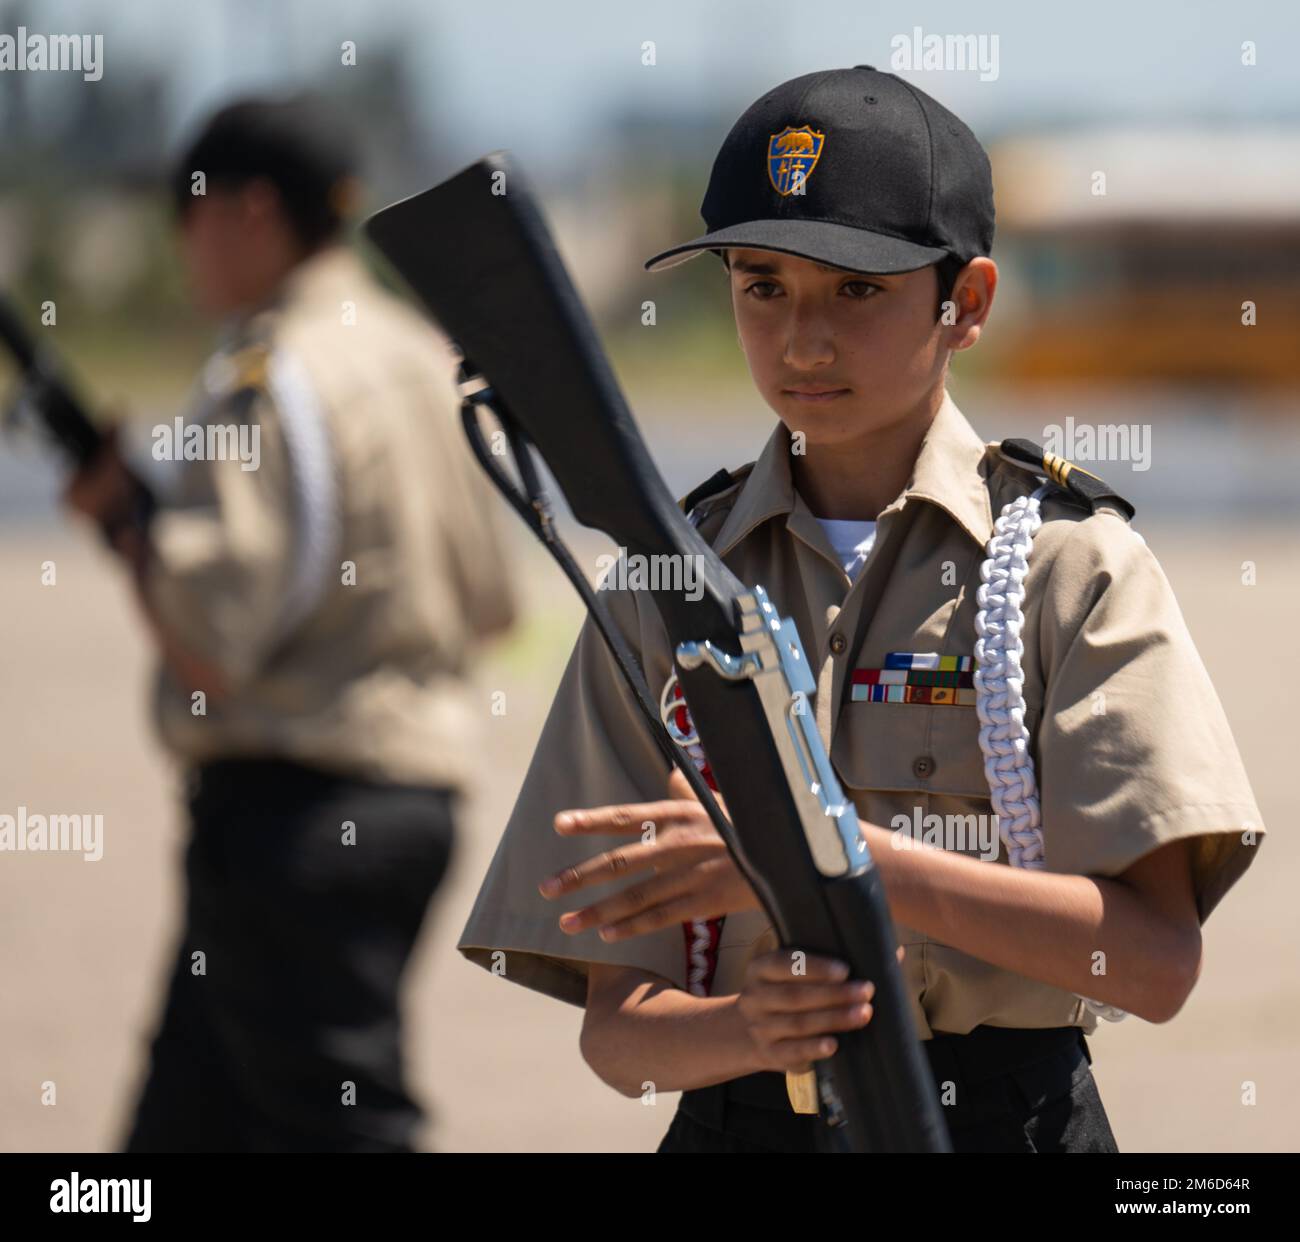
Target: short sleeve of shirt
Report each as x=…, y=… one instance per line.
x=1134, y=748
x=595, y=750
x=222, y=546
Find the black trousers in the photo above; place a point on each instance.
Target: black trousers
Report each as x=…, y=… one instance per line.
x=1011, y=1091
x=281, y=1029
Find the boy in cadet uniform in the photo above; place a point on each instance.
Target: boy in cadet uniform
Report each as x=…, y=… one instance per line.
x=990, y=639
x=315, y=602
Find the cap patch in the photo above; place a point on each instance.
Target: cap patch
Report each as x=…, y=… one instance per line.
x=791, y=156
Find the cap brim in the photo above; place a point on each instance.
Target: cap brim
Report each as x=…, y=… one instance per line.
x=836, y=245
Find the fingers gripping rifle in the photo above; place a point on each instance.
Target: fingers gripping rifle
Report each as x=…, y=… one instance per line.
x=46, y=397
x=483, y=263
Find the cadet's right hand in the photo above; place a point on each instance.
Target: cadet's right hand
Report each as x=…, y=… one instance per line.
x=102, y=489
x=790, y=1017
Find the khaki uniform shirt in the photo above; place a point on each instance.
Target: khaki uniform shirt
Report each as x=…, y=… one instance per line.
x=1159, y=764
x=338, y=586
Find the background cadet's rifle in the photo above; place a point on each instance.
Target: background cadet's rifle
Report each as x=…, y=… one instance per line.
x=477, y=253
x=45, y=396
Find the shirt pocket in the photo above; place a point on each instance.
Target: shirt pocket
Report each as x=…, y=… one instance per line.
x=889, y=748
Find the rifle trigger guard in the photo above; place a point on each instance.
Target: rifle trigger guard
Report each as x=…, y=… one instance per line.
x=726, y=665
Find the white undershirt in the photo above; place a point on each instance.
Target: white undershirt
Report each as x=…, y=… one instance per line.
x=852, y=541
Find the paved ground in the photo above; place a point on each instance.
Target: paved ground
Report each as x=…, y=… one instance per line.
x=84, y=944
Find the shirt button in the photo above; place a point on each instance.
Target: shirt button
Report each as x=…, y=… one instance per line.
x=839, y=644
x=923, y=766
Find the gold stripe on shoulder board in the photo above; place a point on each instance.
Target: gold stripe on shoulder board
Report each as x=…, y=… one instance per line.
x=251, y=366
x=1058, y=469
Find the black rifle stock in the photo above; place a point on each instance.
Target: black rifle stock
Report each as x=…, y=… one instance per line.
x=46, y=395
x=476, y=251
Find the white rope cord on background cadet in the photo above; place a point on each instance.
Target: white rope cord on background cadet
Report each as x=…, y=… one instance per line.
x=999, y=691
x=315, y=492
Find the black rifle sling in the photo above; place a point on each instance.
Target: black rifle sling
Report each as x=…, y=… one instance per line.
x=532, y=505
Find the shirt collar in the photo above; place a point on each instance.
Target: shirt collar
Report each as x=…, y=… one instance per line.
x=949, y=473
x=767, y=492
x=330, y=274
x=328, y=277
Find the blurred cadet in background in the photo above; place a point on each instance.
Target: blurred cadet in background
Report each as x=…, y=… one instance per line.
x=322, y=560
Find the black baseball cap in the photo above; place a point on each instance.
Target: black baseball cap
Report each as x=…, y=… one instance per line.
x=853, y=168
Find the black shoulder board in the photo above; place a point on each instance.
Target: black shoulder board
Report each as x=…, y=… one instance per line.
x=239, y=402
x=1080, y=483
x=714, y=483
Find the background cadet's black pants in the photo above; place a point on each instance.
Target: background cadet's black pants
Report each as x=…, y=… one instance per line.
x=304, y=940
x=1013, y=1091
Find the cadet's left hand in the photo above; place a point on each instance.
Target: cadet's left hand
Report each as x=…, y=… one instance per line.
x=694, y=876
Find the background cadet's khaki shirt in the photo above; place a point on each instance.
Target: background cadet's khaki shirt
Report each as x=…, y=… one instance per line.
x=1100, y=620
x=362, y=461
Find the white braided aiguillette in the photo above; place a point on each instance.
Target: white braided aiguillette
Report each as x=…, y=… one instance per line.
x=999, y=691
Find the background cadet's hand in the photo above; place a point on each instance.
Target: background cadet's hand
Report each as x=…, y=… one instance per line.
x=790, y=1016
x=694, y=876
x=105, y=491
x=103, y=488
